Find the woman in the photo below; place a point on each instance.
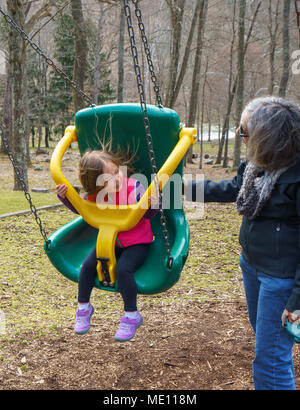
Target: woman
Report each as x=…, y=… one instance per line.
x=266, y=190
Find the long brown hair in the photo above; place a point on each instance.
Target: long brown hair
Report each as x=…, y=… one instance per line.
x=92, y=163
x=274, y=133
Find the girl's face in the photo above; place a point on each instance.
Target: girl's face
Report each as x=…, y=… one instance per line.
x=114, y=177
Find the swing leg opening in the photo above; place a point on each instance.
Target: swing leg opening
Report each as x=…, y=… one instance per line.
x=105, y=270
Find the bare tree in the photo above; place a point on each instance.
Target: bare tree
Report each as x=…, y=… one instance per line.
x=81, y=50
x=17, y=65
x=197, y=71
x=231, y=92
x=184, y=65
x=286, y=48
x=97, y=53
x=273, y=27
x=176, y=9
x=225, y=127
x=7, y=105
x=121, y=55
x=240, y=84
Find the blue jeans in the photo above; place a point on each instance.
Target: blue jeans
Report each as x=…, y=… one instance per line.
x=266, y=297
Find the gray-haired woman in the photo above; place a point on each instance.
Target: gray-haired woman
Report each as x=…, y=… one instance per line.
x=266, y=190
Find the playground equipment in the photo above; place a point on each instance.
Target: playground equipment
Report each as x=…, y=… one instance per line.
x=73, y=242
x=158, y=156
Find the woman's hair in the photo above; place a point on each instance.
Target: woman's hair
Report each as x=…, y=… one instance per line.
x=274, y=132
x=92, y=163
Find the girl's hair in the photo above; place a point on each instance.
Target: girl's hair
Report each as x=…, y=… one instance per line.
x=92, y=163
x=274, y=132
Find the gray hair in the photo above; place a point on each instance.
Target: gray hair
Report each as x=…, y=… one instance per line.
x=274, y=132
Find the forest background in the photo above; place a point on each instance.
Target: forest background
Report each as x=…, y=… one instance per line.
x=210, y=57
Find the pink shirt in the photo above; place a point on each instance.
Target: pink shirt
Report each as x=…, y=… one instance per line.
x=128, y=195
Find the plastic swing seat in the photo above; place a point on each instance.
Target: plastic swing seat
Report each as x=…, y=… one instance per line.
x=70, y=245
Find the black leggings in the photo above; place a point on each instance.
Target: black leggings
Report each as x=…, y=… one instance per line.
x=130, y=259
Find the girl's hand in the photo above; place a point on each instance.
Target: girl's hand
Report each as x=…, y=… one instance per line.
x=61, y=190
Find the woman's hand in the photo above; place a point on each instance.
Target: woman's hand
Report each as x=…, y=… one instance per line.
x=61, y=190
x=293, y=317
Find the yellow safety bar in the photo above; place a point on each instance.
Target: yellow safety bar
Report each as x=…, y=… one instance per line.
x=113, y=219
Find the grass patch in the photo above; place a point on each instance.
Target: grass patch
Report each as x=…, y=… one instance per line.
x=13, y=201
x=35, y=297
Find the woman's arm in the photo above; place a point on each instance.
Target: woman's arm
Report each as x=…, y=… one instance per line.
x=210, y=191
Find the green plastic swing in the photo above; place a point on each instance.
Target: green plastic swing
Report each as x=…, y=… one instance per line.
x=73, y=242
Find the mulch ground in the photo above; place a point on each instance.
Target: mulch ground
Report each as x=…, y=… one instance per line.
x=196, y=346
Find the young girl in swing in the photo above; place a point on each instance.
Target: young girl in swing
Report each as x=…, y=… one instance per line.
x=132, y=246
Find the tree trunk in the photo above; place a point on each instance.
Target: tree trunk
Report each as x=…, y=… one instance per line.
x=202, y=114
x=234, y=87
x=26, y=116
x=81, y=50
x=240, y=85
x=17, y=61
x=97, y=55
x=193, y=106
x=286, y=48
x=46, y=136
x=121, y=56
x=7, y=106
x=231, y=93
x=184, y=64
x=32, y=135
x=176, y=9
x=273, y=32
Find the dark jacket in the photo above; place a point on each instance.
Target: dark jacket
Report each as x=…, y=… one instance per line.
x=270, y=242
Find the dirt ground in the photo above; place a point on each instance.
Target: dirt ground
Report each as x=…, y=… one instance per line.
x=197, y=346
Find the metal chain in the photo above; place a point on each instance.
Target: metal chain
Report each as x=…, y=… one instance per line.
x=24, y=187
x=154, y=79
x=141, y=92
x=48, y=60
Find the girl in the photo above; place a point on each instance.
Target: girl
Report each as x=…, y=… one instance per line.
x=267, y=193
x=132, y=246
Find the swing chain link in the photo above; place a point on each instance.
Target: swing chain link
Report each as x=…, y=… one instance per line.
x=47, y=59
x=24, y=187
x=141, y=92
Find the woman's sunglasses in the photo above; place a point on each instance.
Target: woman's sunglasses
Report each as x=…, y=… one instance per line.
x=242, y=132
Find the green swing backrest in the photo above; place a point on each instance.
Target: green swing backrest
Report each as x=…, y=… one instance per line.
x=123, y=125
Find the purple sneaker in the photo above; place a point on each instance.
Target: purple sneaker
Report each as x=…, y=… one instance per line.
x=83, y=320
x=128, y=327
